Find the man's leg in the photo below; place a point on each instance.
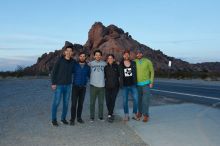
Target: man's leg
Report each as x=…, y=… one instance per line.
x=66, y=96
x=146, y=100
x=56, y=102
x=101, y=96
x=92, y=101
x=75, y=96
x=140, y=95
x=82, y=92
x=125, y=103
x=135, y=97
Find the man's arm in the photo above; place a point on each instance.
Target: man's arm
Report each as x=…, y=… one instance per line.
x=54, y=75
x=151, y=74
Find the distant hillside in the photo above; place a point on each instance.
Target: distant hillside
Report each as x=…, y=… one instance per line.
x=112, y=39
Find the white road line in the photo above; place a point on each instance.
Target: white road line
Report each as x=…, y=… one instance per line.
x=190, y=86
x=207, y=97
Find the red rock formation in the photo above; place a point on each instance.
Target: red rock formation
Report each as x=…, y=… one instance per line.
x=110, y=39
x=114, y=40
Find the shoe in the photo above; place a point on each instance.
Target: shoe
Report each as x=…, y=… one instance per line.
x=64, y=122
x=139, y=115
x=54, y=123
x=146, y=118
x=80, y=121
x=91, y=119
x=110, y=118
x=136, y=117
x=126, y=118
x=72, y=123
x=101, y=119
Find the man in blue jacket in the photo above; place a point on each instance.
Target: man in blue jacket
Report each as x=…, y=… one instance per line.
x=81, y=73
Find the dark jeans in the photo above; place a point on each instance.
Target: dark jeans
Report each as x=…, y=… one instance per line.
x=110, y=95
x=78, y=95
x=96, y=92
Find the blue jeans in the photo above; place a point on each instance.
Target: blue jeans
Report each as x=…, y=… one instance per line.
x=144, y=99
x=134, y=93
x=61, y=91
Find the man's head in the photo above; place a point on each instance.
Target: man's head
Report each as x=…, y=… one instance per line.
x=82, y=57
x=68, y=50
x=110, y=58
x=97, y=55
x=126, y=55
x=139, y=53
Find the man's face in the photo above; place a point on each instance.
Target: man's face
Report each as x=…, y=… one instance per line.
x=139, y=55
x=110, y=59
x=126, y=56
x=82, y=58
x=98, y=56
x=68, y=53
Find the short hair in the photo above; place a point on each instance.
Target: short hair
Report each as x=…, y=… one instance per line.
x=68, y=45
x=97, y=51
x=110, y=55
x=80, y=53
x=126, y=51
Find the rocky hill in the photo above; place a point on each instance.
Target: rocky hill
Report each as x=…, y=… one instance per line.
x=112, y=39
x=213, y=67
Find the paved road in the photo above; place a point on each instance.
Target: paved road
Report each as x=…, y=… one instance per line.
x=193, y=91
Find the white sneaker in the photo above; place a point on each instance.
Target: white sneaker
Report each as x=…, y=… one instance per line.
x=91, y=120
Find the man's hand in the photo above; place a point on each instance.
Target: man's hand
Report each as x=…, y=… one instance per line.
x=151, y=85
x=53, y=87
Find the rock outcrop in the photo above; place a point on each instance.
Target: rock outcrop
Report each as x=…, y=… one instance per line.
x=114, y=40
x=45, y=63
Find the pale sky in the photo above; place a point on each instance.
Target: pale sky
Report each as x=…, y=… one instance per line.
x=186, y=29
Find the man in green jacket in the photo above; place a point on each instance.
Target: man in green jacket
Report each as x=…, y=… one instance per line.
x=145, y=77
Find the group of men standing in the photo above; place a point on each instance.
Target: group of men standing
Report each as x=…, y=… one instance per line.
x=135, y=77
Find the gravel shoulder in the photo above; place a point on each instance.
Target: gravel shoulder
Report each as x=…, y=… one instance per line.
x=25, y=120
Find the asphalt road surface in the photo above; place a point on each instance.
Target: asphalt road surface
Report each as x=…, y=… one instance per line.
x=196, y=91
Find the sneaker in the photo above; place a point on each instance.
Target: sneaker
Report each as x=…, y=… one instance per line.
x=101, y=119
x=64, y=122
x=110, y=119
x=135, y=117
x=126, y=118
x=80, y=121
x=139, y=115
x=146, y=118
x=72, y=123
x=54, y=123
x=91, y=119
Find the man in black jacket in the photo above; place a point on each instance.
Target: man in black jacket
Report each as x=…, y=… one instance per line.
x=128, y=81
x=112, y=75
x=61, y=82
